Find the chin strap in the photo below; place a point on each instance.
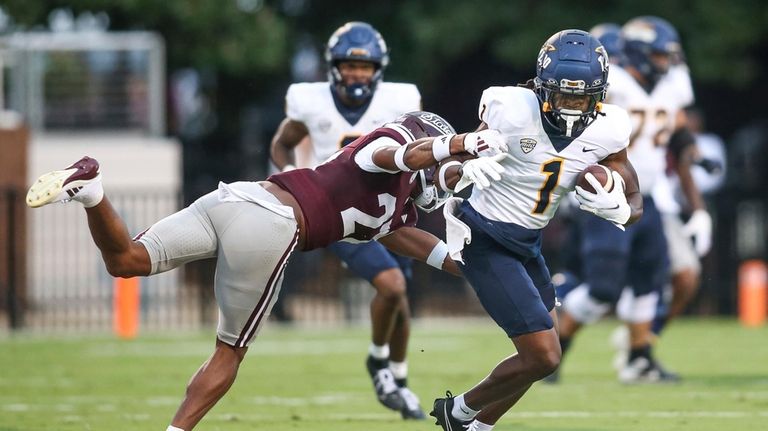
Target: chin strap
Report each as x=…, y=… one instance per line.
x=570, y=116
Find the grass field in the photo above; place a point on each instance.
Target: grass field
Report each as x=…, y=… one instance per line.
x=314, y=379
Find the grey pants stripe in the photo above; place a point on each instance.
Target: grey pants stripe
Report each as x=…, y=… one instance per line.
x=266, y=298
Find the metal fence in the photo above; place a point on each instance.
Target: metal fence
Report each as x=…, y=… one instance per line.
x=84, y=81
x=67, y=287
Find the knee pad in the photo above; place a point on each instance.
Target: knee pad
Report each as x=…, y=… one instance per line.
x=641, y=308
x=625, y=304
x=583, y=307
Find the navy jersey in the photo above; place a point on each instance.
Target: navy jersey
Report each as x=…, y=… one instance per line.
x=341, y=201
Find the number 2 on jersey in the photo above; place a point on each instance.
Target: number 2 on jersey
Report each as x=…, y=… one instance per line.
x=551, y=168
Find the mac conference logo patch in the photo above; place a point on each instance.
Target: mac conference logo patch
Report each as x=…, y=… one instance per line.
x=527, y=144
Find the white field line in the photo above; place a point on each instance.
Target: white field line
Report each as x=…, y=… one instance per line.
x=514, y=415
x=257, y=348
x=336, y=398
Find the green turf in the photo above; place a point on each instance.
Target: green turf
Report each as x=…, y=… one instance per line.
x=301, y=379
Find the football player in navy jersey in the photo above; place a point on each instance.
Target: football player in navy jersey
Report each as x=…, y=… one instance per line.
x=554, y=130
x=367, y=191
x=324, y=116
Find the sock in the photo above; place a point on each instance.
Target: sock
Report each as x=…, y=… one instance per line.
x=91, y=194
x=565, y=344
x=379, y=352
x=173, y=428
x=461, y=410
x=640, y=352
x=476, y=425
x=399, y=370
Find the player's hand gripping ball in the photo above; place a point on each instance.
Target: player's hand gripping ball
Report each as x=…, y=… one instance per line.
x=601, y=173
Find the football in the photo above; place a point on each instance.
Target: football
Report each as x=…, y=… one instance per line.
x=600, y=172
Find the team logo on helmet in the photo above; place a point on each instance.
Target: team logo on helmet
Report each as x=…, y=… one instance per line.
x=437, y=122
x=527, y=144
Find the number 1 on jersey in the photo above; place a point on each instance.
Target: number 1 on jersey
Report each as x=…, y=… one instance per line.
x=552, y=170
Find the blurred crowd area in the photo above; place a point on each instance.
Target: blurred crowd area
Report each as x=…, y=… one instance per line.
x=224, y=67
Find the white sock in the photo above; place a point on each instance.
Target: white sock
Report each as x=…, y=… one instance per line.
x=91, y=194
x=173, y=428
x=399, y=369
x=461, y=411
x=379, y=352
x=476, y=425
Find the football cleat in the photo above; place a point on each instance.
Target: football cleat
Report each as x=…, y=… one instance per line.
x=384, y=384
x=80, y=182
x=411, y=407
x=441, y=411
x=644, y=370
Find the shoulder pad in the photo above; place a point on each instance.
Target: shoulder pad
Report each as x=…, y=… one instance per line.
x=617, y=126
x=304, y=98
x=508, y=109
x=405, y=96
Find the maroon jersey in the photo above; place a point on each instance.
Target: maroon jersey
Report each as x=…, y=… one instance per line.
x=341, y=201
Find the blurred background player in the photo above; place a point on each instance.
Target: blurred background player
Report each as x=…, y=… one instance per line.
x=653, y=90
x=609, y=34
x=554, y=131
x=323, y=118
x=252, y=228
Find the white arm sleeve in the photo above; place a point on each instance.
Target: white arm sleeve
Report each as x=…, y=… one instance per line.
x=364, y=157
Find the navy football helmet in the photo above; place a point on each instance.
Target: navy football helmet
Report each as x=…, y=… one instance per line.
x=609, y=34
x=571, y=80
x=356, y=41
x=648, y=35
x=422, y=124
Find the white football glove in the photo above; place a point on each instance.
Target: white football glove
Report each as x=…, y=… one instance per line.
x=485, y=143
x=477, y=171
x=612, y=206
x=699, y=227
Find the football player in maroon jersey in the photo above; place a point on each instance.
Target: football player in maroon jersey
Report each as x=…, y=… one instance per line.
x=367, y=191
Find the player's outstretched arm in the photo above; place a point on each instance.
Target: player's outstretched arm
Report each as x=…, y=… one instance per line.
x=420, y=245
x=425, y=152
x=289, y=134
x=620, y=163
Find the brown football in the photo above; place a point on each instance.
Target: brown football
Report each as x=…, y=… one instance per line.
x=601, y=173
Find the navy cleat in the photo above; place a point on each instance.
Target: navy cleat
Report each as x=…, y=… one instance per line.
x=387, y=391
x=441, y=411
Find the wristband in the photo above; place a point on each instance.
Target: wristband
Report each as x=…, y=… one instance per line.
x=288, y=167
x=441, y=175
x=441, y=147
x=400, y=159
x=438, y=254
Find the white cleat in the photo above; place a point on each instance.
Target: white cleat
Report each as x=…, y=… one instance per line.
x=80, y=182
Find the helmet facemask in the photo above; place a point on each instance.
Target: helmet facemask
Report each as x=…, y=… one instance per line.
x=568, y=106
x=428, y=197
x=357, y=92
